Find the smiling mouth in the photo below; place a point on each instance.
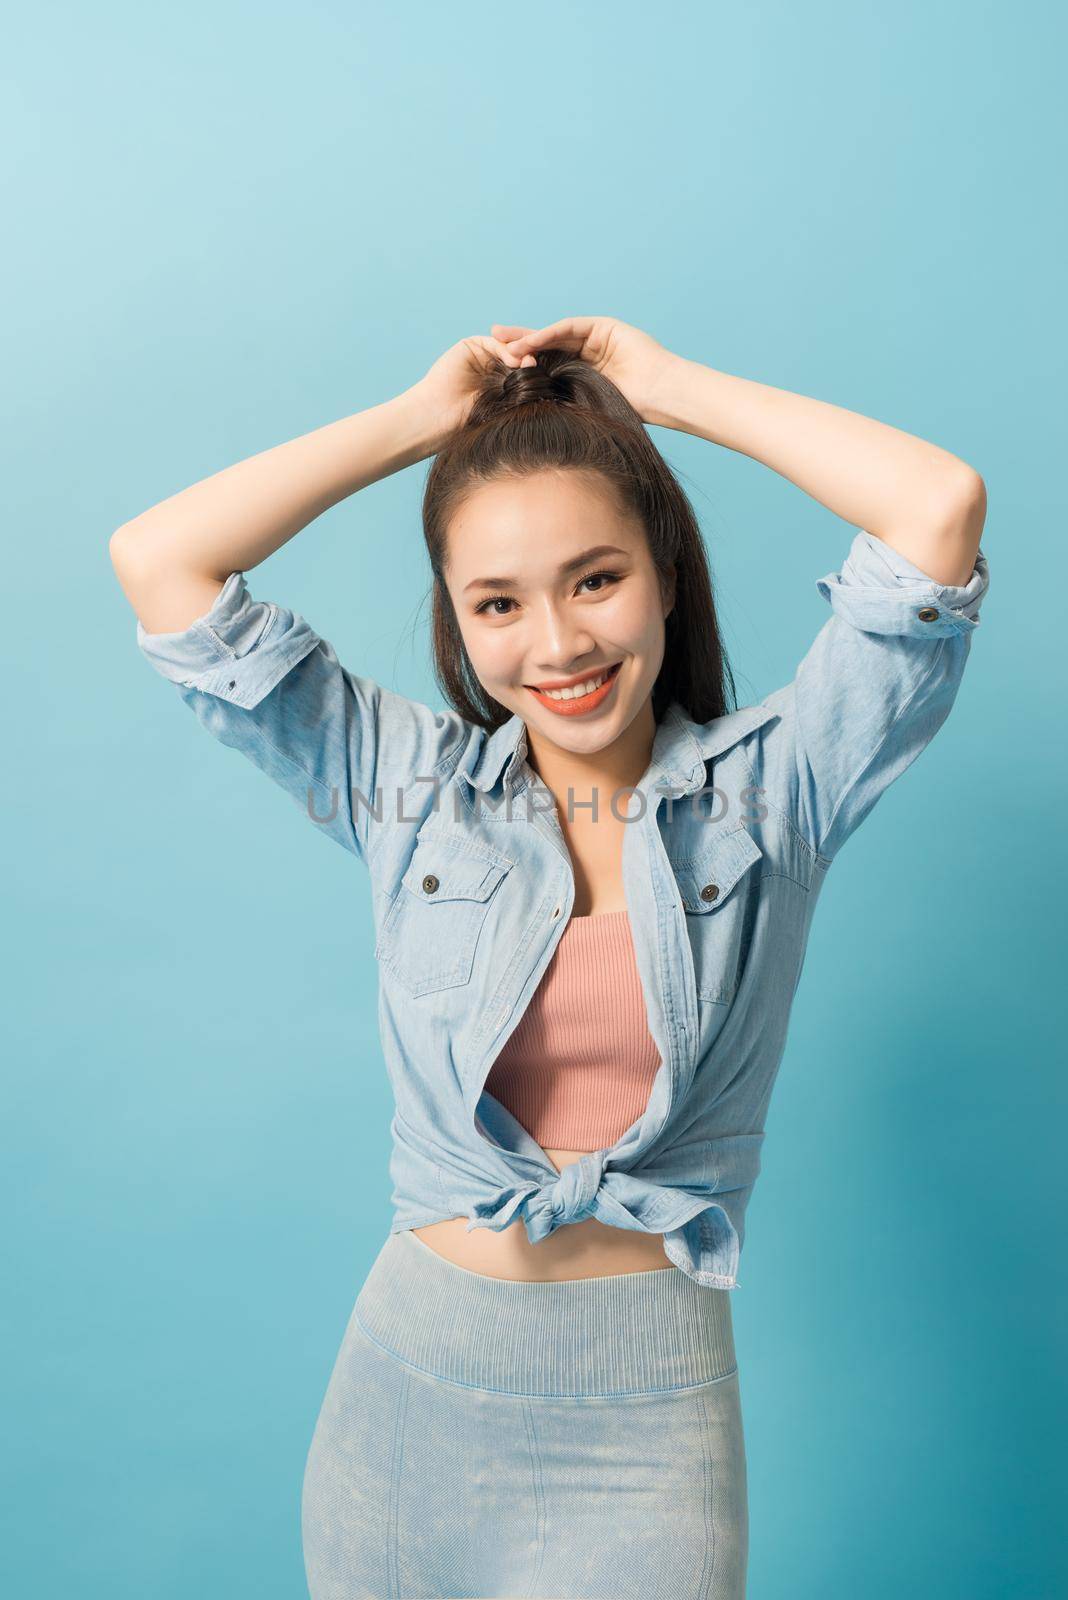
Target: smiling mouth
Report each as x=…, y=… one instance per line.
x=580, y=696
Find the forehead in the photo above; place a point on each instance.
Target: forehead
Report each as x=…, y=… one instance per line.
x=538, y=520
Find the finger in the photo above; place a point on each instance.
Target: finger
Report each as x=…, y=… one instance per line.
x=500, y=349
x=570, y=333
x=511, y=335
x=507, y=354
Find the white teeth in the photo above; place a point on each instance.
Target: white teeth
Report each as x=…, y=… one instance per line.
x=577, y=691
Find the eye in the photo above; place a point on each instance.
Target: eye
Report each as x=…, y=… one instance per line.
x=506, y=599
x=492, y=601
x=613, y=577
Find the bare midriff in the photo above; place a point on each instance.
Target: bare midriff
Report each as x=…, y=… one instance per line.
x=586, y=1249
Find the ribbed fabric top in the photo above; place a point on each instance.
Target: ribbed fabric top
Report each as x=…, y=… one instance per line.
x=577, y=1070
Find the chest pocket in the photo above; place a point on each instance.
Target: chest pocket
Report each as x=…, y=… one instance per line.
x=431, y=932
x=715, y=887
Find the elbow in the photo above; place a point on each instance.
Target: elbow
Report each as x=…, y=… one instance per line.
x=972, y=487
x=964, y=486
x=128, y=548
x=963, y=514
x=130, y=564
x=120, y=549
x=950, y=501
x=959, y=528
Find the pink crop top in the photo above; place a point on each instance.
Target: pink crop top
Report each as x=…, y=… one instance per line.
x=578, y=1068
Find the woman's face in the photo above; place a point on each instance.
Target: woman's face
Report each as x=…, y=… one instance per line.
x=551, y=583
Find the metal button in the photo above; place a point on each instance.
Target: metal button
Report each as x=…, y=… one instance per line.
x=928, y=614
x=710, y=891
x=430, y=883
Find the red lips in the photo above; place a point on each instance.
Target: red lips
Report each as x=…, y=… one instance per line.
x=578, y=705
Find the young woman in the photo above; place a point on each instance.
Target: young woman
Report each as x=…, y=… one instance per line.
x=593, y=882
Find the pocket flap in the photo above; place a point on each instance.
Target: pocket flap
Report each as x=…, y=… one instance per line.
x=706, y=880
x=440, y=871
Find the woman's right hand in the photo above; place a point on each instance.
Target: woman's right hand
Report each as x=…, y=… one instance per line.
x=449, y=388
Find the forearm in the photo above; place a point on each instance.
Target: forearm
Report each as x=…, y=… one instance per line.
x=901, y=488
x=236, y=518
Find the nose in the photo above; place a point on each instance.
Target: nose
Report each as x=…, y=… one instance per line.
x=563, y=643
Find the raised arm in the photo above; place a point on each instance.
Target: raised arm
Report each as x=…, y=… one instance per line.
x=173, y=559
x=926, y=504
x=881, y=675
x=255, y=674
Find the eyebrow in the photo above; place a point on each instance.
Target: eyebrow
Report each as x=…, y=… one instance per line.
x=594, y=552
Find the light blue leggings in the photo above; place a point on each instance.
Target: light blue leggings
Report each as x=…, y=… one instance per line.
x=577, y=1440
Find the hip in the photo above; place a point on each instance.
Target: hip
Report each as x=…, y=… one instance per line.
x=573, y=1438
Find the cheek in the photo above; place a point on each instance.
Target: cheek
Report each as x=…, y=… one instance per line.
x=639, y=626
x=493, y=655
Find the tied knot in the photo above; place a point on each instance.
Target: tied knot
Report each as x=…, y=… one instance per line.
x=702, y=1176
x=573, y=1194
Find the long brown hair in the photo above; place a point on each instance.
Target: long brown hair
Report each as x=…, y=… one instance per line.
x=564, y=414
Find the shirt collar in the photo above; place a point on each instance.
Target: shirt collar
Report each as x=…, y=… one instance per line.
x=680, y=747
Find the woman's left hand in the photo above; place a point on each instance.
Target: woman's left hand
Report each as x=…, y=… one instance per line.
x=635, y=362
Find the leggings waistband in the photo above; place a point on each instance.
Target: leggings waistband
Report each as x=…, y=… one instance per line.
x=629, y=1333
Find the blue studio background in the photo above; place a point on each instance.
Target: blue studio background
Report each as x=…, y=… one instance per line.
x=234, y=224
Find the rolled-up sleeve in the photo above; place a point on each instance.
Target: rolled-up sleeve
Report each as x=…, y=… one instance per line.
x=874, y=688
x=262, y=681
x=238, y=650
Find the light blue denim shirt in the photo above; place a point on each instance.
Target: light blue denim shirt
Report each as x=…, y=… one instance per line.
x=726, y=845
